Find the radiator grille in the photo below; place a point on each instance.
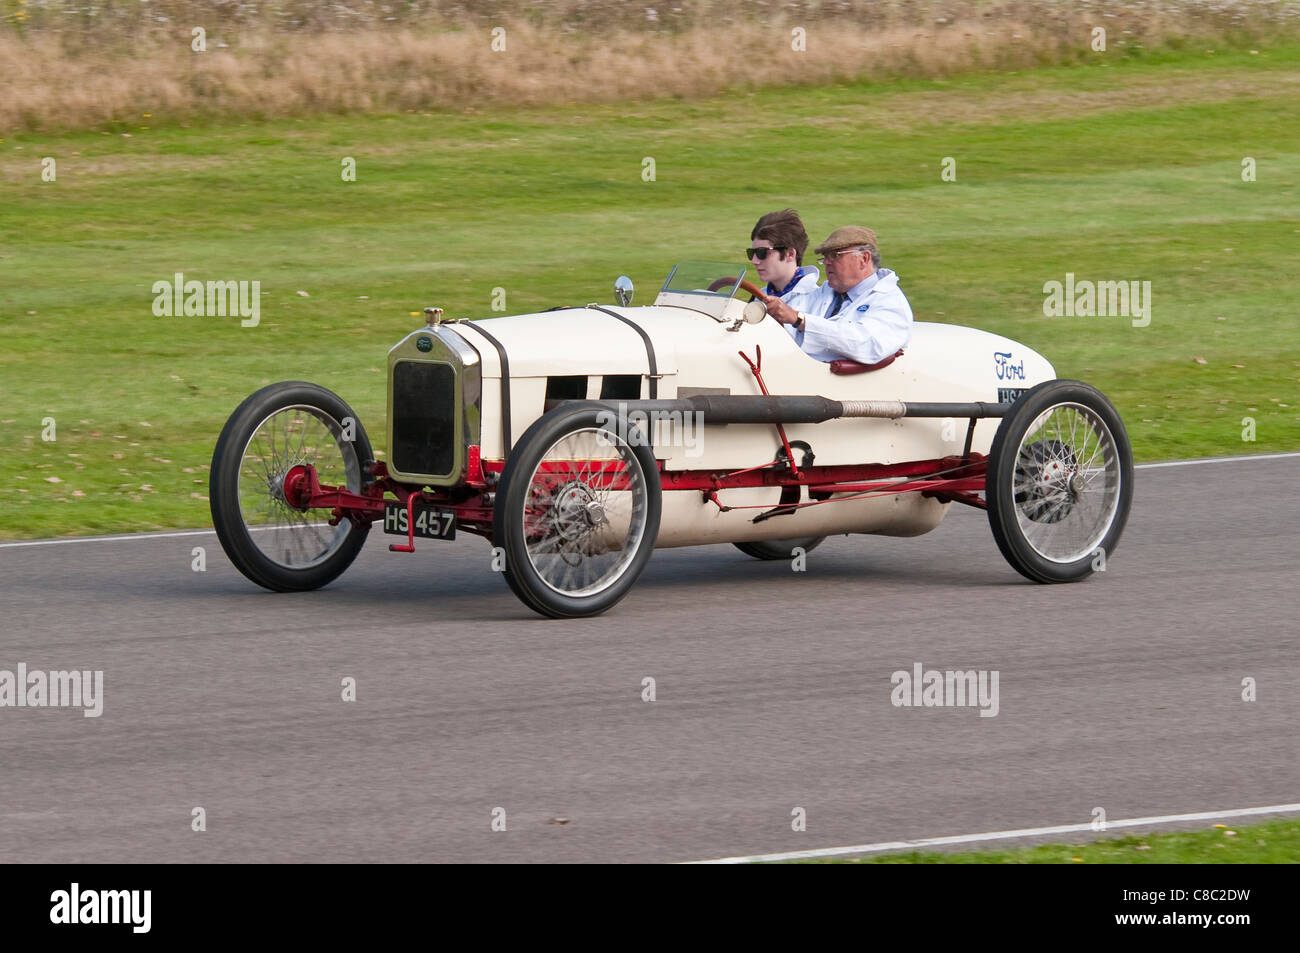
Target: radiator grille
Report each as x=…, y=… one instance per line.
x=424, y=425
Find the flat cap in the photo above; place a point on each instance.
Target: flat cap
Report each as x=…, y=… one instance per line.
x=848, y=236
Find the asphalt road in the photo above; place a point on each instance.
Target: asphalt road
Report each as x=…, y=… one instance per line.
x=772, y=692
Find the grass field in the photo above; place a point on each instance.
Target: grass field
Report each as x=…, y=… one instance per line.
x=103, y=60
x=1274, y=842
x=1131, y=171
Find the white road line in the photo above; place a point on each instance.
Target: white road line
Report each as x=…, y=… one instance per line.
x=1001, y=835
x=1188, y=463
x=208, y=532
x=109, y=539
x=131, y=536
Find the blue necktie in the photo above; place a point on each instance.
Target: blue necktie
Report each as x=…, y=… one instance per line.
x=836, y=304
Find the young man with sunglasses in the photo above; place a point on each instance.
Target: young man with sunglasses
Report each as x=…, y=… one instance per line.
x=860, y=313
x=777, y=244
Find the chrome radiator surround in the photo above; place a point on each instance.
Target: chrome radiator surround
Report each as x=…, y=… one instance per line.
x=417, y=359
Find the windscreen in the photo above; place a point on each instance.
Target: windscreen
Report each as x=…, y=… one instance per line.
x=705, y=277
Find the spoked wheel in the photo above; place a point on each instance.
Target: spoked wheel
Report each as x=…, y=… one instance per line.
x=276, y=434
x=577, y=512
x=1042, y=471
x=1060, y=482
x=779, y=548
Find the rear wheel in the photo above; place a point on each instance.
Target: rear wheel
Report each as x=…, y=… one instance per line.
x=577, y=512
x=779, y=548
x=1060, y=482
x=270, y=540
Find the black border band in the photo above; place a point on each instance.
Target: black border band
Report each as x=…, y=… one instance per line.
x=649, y=346
x=505, y=382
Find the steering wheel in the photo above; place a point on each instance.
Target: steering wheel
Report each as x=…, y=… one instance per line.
x=745, y=285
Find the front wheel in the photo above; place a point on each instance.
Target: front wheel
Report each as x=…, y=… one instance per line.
x=272, y=541
x=577, y=511
x=1060, y=482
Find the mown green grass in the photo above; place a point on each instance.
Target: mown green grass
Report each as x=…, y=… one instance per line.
x=1274, y=842
x=550, y=205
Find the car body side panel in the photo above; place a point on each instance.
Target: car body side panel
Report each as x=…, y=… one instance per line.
x=690, y=520
x=694, y=351
x=942, y=363
x=569, y=343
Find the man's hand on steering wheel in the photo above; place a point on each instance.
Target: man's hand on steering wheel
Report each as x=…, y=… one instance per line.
x=782, y=311
x=777, y=308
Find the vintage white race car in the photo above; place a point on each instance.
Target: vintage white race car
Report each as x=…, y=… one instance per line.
x=579, y=439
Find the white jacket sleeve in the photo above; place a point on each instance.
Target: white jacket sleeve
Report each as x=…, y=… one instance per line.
x=864, y=336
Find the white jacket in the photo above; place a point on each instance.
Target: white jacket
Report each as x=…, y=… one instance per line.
x=874, y=322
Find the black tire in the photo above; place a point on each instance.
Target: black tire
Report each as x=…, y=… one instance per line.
x=779, y=548
x=1060, y=482
x=274, y=544
x=565, y=512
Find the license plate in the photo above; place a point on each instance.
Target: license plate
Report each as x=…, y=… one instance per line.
x=1009, y=395
x=430, y=523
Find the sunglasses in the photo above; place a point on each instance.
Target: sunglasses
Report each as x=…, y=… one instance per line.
x=761, y=253
x=832, y=256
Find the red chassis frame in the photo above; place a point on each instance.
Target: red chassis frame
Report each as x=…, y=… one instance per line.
x=952, y=479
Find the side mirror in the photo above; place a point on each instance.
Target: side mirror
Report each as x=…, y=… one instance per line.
x=623, y=290
x=755, y=312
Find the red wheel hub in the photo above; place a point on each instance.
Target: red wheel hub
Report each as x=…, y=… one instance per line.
x=295, y=487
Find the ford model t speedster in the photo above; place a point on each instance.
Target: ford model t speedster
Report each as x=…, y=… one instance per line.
x=577, y=440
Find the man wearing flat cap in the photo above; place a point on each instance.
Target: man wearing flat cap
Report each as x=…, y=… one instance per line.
x=860, y=313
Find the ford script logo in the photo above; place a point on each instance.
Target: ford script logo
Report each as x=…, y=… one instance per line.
x=1006, y=370
x=426, y=344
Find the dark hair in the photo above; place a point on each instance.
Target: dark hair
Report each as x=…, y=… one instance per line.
x=783, y=229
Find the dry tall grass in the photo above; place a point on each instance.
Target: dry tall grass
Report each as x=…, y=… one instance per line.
x=85, y=63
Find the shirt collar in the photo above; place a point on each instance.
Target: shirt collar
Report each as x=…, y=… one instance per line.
x=866, y=284
x=800, y=273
